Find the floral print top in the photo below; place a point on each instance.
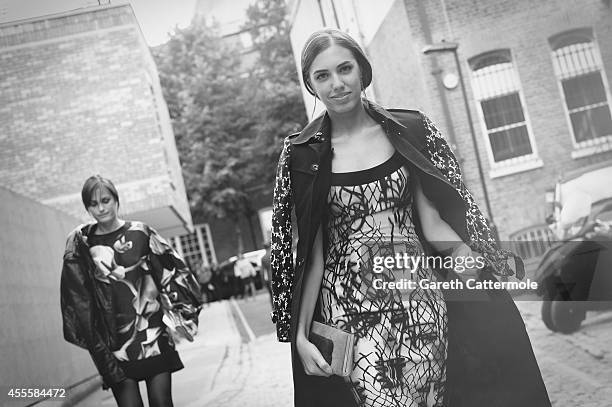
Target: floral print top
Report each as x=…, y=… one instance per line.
x=121, y=261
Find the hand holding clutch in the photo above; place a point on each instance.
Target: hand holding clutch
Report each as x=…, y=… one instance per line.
x=312, y=361
x=336, y=347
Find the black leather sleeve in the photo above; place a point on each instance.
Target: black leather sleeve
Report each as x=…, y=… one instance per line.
x=78, y=314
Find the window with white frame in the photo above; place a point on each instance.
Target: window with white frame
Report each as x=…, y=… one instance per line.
x=497, y=90
x=191, y=250
x=577, y=65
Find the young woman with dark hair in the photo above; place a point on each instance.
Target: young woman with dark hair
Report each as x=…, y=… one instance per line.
x=121, y=285
x=368, y=182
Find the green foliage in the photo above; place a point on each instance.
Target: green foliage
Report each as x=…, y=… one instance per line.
x=229, y=116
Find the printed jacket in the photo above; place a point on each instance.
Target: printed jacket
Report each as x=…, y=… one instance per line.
x=489, y=352
x=87, y=305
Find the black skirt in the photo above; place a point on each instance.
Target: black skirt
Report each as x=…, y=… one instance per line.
x=142, y=369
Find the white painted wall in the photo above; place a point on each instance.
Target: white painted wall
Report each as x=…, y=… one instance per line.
x=360, y=19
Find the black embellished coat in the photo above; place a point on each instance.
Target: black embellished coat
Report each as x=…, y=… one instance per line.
x=490, y=361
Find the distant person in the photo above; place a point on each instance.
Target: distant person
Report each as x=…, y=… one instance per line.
x=238, y=282
x=246, y=272
x=204, y=278
x=215, y=283
x=267, y=270
x=121, y=282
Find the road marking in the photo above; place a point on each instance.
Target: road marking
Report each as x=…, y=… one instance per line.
x=223, y=360
x=233, y=322
x=247, y=328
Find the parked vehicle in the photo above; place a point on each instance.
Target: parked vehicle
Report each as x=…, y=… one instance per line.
x=227, y=270
x=575, y=274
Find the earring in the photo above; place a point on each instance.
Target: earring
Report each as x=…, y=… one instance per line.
x=363, y=94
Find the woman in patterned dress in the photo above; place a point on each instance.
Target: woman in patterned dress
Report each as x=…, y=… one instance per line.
x=121, y=282
x=367, y=183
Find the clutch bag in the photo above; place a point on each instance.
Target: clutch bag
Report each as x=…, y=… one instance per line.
x=336, y=346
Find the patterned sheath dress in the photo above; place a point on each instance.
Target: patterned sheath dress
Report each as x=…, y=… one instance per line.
x=400, y=351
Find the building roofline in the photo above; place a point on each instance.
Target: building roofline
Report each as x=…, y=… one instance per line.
x=62, y=14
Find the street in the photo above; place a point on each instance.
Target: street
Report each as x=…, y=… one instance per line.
x=225, y=126
x=577, y=368
x=236, y=360
x=229, y=363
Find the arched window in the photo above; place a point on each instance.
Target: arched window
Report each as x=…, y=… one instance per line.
x=496, y=87
x=577, y=65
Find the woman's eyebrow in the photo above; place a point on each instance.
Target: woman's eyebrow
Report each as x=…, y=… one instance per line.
x=339, y=65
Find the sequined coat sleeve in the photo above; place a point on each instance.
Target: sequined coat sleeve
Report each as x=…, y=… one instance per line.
x=281, y=256
x=481, y=236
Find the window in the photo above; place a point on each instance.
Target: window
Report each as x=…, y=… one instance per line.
x=191, y=250
x=532, y=242
x=577, y=65
x=196, y=248
x=496, y=88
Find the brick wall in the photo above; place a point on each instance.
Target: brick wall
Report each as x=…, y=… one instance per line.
x=80, y=95
x=403, y=77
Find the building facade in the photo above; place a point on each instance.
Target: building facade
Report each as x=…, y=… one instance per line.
x=80, y=95
x=536, y=76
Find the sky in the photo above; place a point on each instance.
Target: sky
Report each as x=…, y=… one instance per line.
x=155, y=17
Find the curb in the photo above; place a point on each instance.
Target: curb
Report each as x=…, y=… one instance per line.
x=83, y=389
x=75, y=393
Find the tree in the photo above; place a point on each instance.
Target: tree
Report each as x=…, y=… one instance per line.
x=228, y=118
x=206, y=100
x=280, y=104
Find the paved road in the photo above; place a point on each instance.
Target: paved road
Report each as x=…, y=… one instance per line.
x=577, y=368
x=233, y=364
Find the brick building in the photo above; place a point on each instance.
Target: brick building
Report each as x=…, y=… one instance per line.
x=537, y=78
x=80, y=95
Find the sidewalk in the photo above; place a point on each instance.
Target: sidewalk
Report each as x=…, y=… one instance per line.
x=223, y=368
x=256, y=373
x=223, y=371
